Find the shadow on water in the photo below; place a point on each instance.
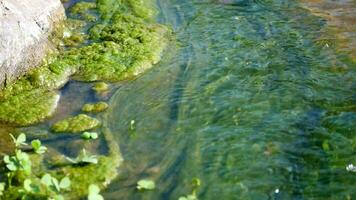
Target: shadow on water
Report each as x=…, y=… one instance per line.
x=247, y=100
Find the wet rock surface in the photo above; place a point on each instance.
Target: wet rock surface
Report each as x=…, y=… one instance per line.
x=24, y=29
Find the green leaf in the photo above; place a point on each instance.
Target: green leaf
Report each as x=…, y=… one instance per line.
x=37, y=147
x=7, y=159
x=36, y=144
x=55, y=184
x=146, y=184
x=30, y=187
x=11, y=167
x=46, y=180
x=27, y=185
x=94, y=191
x=20, y=140
x=65, y=183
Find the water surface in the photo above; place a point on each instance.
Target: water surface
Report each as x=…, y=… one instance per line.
x=251, y=99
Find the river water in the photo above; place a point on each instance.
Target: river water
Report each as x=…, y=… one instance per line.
x=254, y=98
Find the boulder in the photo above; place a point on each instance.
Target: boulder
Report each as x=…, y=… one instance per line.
x=25, y=26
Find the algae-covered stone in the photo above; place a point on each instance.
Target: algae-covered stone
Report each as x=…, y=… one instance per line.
x=100, y=87
x=122, y=44
x=76, y=124
x=95, y=108
x=29, y=107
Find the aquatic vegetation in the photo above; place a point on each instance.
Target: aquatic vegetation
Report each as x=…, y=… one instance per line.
x=114, y=51
x=76, y=124
x=28, y=176
x=95, y=108
x=100, y=87
x=84, y=158
x=94, y=193
x=37, y=147
x=29, y=107
x=146, y=184
x=90, y=135
x=20, y=162
x=20, y=140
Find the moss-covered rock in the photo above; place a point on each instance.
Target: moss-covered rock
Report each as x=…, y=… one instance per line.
x=122, y=44
x=29, y=107
x=76, y=124
x=95, y=108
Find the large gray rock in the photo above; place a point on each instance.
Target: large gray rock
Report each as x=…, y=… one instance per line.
x=24, y=29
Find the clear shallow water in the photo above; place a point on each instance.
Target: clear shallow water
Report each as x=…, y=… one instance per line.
x=249, y=100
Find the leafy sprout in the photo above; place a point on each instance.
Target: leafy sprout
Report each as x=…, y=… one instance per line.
x=20, y=140
x=30, y=187
x=94, y=193
x=146, y=184
x=37, y=147
x=54, y=184
x=20, y=162
x=84, y=158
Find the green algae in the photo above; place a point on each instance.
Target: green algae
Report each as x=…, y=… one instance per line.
x=100, y=87
x=123, y=44
x=76, y=124
x=29, y=107
x=95, y=108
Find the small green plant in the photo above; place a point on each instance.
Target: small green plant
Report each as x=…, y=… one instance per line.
x=19, y=162
x=30, y=187
x=54, y=184
x=94, y=193
x=146, y=184
x=20, y=140
x=90, y=135
x=84, y=158
x=37, y=147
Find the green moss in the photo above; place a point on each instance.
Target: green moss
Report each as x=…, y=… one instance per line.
x=100, y=87
x=75, y=39
x=29, y=107
x=76, y=124
x=82, y=9
x=123, y=44
x=95, y=108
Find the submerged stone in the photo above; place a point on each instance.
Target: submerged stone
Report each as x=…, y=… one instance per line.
x=95, y=108
x=29, y=107
x=76, y=124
